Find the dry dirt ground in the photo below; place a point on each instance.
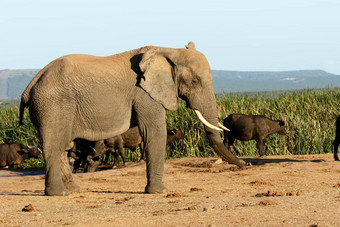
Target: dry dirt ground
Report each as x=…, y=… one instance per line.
x=275, y=191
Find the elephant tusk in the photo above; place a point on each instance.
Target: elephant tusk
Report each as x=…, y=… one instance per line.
x=205, y=122
x=223, y=127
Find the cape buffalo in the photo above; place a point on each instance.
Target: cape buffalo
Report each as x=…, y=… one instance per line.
x=250, y=127
x=14, y=153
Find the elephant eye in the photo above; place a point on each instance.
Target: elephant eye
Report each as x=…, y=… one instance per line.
x=194, y=81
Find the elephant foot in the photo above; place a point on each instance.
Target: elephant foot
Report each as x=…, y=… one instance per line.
x=72, y=186
x=156, y=188
x=56, y=190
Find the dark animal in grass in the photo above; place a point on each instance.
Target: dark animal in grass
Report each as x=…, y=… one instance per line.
x=90, y=153
x=115, y=145
x=14, y=153
x=174, y=134
x=130, y=139
x=87, y=154
x=250, y=127
x=337, y=139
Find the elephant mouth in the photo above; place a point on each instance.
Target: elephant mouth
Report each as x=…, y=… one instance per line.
x=208, y=124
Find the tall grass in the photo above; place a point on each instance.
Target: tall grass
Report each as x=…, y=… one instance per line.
x=309, y=116
x=10, y=132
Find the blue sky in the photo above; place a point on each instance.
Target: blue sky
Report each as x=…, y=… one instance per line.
x=244, y=35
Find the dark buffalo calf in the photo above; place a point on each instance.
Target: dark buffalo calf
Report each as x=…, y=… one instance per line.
x=174, y=134
x=86, y=153
x=14, y=153
x=337, y=139
x=250, y=127
x=90, y=153
x=131, y=139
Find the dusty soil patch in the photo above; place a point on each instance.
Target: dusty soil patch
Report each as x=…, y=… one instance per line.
x=275, y=191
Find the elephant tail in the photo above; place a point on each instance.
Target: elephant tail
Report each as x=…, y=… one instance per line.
x=22, y=110
x=25, y=96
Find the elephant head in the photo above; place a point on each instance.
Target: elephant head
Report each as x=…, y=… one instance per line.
x=170, y=74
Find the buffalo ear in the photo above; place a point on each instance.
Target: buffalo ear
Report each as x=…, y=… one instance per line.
x=22, y=151
x=158, y=79
x=172, y=132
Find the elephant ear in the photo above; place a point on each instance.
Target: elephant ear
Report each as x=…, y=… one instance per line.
x=158, y=81
x=191, y=45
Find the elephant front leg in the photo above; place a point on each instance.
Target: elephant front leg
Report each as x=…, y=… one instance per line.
x=150, y=118
x=155, y=159
x=154, y=140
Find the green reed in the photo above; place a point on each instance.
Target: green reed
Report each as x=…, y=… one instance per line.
x=309, y=116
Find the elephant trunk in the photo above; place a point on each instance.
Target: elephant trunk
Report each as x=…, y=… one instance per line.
x=214, y=137
x=217, y=144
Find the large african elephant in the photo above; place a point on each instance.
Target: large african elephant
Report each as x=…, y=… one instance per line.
x=95, y=98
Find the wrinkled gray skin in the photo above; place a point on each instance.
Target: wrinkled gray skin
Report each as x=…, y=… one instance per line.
x=14, y=153
x=336, y=141
x=95, y=98
x=250, y=127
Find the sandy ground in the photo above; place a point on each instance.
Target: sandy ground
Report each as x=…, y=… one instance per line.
x=275, y=191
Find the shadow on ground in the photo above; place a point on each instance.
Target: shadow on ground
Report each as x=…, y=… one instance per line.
x=262, y=161
x=11, y=172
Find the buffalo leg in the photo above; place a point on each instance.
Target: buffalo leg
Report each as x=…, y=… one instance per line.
x=336, y=146
x=259, y=145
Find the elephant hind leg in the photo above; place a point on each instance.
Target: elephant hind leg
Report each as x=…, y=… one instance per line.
x=59, y=179
x=54, y=185
x=66, y=174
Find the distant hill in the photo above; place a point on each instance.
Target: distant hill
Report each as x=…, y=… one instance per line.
x=13, y=82
x=236, y=81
